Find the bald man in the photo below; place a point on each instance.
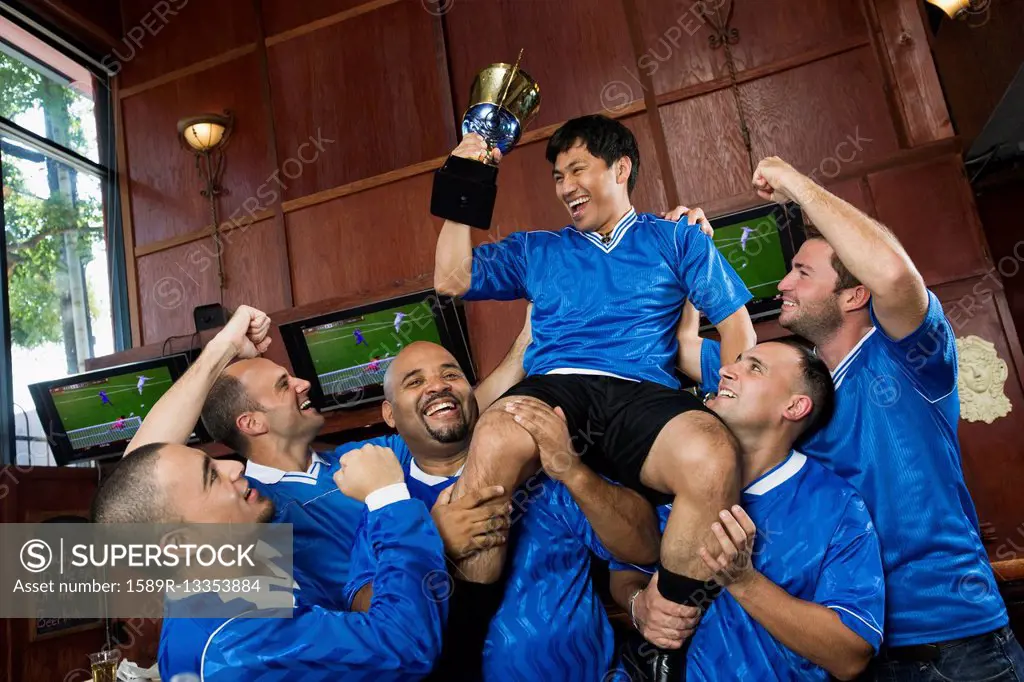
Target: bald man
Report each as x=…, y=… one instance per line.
x=545, y=621
x=258, y=409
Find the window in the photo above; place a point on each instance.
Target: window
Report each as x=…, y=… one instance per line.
x=64, y=302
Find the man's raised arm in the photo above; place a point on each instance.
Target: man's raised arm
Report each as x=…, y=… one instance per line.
x=867, y=248
x=175, y=415
x=453, y=257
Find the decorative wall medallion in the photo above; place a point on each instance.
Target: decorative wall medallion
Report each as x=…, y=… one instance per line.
x=981, y=376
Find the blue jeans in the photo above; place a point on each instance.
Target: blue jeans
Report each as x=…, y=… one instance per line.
x=993, y=657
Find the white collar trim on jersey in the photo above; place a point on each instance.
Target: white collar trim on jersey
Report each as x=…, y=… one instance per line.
x=779, y=475
x=617, y=233
x=844, y=364
x=270, y=475
x=430, y=479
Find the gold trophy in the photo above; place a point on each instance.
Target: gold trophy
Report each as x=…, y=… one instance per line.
x=502, y=102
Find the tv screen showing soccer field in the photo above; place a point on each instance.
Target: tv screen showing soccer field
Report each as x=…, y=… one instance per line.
x=355, y=352
x=109, y=410
x=754, y=249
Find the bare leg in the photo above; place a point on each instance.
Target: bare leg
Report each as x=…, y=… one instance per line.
x=501, y=453
x=696, y=459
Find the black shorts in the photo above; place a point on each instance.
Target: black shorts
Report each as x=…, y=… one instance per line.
x=613, y=422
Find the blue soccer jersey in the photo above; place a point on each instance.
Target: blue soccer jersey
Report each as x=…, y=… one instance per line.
x=609, y=308
x=397, y=639
x=551, y=623
x=816, y=541
x=324, y=523
x=893, y=435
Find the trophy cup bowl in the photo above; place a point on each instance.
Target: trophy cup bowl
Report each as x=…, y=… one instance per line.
x=503, y=100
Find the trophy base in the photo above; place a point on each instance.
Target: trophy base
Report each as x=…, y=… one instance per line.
x=464, y=192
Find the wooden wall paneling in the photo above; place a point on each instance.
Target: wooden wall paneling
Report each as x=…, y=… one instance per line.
x=363, y=242
x=676, y=51
x=976, y=60
x=989, y=451
x=776, y=30
x=822, y=116
x=162, y=39
x=929, y=207
x=854, y=191
x=370, y=84
x=283, y=15
x=578, y=51
x=164, y=181
x=33, y=494
x=256, y=267
x=918, y=91
x=999, y=207
x=709, y=159
x=650, y=194
x=673, y=50
x=262, y=58
x=650, y=102
x=172, y=283
x=493, y=326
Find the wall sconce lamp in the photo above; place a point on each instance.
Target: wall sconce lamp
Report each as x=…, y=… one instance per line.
x=205, y=136
x=954, y=9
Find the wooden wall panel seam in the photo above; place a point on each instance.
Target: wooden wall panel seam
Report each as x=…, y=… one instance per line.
x=892, y=96
x=904, y=158
x=266, y=90
x=329, y=20
x=636, y=39
x=453, y=125
x=531, y=137
x=127, y=226
x=759, y=72
x=921, y=154
x=1013, y=339
x=919, y=93
x=189, y=70
x=202, y=233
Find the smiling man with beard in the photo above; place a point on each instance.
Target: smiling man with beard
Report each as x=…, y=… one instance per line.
x=856, y=295
x=548, y=622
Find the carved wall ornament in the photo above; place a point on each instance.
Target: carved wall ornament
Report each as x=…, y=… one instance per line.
x=982, y=374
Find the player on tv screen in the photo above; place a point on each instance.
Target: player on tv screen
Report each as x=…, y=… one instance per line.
x=755, y=250
x=89, y=422
x=342, y=366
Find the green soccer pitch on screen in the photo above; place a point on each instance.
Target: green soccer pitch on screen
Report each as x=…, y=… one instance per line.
x=101, y=411
x=355, y=352
x=754, y=249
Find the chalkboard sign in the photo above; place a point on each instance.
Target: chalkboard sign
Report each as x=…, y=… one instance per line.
x=46, y=627
x=50, y=626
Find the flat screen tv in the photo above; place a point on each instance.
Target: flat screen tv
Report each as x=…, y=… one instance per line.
x=344, y=354
x=760, y=244
x=95, y=414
